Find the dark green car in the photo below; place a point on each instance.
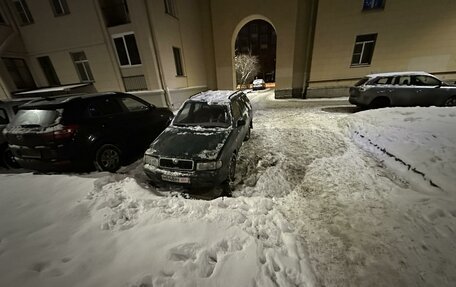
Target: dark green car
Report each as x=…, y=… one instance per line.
x=200, y=147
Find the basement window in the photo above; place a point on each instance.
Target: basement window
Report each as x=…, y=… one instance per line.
x=373, y=4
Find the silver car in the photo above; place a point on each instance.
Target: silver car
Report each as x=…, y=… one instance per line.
x=402, y=89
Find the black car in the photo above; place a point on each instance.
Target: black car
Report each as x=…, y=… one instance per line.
x=78, y=132
x=8, y=110
x=200, y=147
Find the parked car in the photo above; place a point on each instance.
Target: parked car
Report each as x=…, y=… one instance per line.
x=77, y=132
x=402, y=89
x=258, y=84
x=200, y=147
x=8, y=110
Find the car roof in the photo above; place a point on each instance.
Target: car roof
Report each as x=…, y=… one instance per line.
x=392, y=74
x=222, y=96
x=60, y=100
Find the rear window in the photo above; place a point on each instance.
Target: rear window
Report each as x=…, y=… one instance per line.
x=36, y=118
x=362, y=81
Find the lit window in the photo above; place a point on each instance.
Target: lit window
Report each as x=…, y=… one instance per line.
x=363, y=50
x=170, y=8
x=60, y=7
x=127, y=50
x=82, y=67
x=23, y=12
x=373, y=4
x=178, y=61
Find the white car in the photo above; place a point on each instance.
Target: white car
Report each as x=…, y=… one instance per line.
x=258, y=84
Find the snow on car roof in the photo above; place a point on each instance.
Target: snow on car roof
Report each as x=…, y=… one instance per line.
x=222, y=96
x=399, y=74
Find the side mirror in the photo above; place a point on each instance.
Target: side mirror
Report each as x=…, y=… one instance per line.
x=240, y=123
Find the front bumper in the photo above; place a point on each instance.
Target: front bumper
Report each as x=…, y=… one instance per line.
x=208, y=178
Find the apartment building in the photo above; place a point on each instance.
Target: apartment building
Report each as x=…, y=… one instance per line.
x=152, y=48
x=167, y=50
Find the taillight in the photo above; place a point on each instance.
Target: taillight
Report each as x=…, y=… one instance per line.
x=65, y=132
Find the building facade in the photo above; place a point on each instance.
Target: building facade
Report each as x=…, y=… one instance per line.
x=167, y=50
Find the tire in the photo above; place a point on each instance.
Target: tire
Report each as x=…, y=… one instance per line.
x=450, y=102
x=108, y=158
x=8, y=159
x=378, y=103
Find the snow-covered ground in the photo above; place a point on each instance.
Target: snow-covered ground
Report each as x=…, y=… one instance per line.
x=318, y=201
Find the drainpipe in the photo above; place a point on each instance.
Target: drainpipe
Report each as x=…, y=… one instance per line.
x=310, y=44
x=157, y=57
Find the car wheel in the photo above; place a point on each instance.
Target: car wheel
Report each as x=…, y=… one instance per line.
x=107, y=158
x=8, y=159
x=232, y=169
x=380, y=103
x=451, y=102
x=247, y=135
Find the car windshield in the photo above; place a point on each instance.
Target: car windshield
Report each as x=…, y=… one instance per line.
x=37, y=118
x=203, y=114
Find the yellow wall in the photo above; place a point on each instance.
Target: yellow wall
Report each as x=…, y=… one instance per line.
x=412, y=35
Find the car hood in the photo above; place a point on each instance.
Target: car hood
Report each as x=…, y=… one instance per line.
x=190, y=142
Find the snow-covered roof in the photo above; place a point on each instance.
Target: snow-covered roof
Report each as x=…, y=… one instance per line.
x=391, y=74
x=221, y=96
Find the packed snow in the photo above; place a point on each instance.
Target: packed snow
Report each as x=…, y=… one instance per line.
x=315, y=204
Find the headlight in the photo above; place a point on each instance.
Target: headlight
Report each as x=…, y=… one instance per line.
x=153, y=161
x=211, y=165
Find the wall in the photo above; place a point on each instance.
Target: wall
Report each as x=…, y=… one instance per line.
x=418, y=36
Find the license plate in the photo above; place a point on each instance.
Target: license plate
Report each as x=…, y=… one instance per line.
x=176, y=179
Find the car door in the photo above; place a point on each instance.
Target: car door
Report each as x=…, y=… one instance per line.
x=428, y=90
x=402, y=92
x=144, y=122
x=102, y=121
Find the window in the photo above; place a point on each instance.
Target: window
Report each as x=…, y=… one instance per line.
x=3, y=117
x=373, y=4
x=23, y=12
x=103, y=107
x=178, y=61
x=20, y=73
x=384, y=81
x=422, y=80
x=48, y=70
x=82, y=66
x=133, y=105
x=60, y=7
x=115, y=12
x=236, y=110
x=170, y=8
x=403, y=80
x=127, y=50
x=364, y=49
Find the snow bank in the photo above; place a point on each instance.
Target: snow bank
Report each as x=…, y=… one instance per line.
x=419, y=140
x=110, y=230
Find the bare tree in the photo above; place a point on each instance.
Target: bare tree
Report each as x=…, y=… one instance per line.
x=246, y=66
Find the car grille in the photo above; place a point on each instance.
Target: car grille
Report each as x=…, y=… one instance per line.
x=174, y=163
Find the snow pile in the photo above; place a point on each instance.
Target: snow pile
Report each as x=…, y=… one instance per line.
x=112, y=230
x=420, y=142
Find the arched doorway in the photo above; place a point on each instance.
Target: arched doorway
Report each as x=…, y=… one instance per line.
x=258, y=38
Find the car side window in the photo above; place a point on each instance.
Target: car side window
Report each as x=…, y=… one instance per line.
x=421, y=80
x=3, y=117
x=133, y=105
x=235, y=110
x=384, y=81
x=103, y=107
x=404, y=81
